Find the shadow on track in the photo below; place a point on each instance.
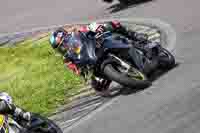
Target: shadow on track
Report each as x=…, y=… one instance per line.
x=119, y=90
x=118, y=6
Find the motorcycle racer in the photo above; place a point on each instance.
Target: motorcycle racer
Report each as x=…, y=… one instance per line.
x=59, y=39
x=7, y=107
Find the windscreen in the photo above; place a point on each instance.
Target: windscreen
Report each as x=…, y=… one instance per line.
x=81, y=48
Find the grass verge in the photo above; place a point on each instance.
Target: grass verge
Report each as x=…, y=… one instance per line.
x=36, y=78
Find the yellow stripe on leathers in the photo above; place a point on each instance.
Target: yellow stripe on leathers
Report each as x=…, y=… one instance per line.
x=2, y=120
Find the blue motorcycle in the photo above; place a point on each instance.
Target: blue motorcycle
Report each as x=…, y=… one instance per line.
x=119, y=59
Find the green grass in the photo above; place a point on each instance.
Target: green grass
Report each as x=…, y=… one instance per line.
x=36, y=78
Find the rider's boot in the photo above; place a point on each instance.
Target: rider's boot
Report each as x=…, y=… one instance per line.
x=101, y=86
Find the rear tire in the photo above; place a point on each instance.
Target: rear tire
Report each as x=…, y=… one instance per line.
x=124, y=79
x=166, y=59
x=125, y=2
x=108, y=1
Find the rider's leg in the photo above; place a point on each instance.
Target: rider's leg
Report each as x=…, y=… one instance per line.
x=95, y=83
x=106, y=84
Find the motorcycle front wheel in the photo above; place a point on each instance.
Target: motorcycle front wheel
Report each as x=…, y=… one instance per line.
x=131, y=79
x=40, y=124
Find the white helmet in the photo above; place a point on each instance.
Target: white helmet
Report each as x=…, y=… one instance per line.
x=94, y=26
x=6, y=97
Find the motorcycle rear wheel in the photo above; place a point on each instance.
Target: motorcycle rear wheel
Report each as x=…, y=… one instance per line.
x=125, y=2
x=167, y=60
x=108, y=1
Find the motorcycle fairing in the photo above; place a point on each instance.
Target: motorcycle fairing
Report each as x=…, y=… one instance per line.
x=111, y=43
x=87, y=54
x=135, y=54
x=137, y=57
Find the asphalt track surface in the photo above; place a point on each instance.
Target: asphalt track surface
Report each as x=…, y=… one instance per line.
x=171, y=104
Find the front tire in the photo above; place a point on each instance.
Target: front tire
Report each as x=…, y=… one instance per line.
x=125, y=79
x=40, y=124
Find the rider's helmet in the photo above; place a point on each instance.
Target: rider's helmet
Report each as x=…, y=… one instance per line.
x=57, y=37
x=6, y=97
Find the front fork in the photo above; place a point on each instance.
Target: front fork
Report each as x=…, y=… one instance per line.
x=125, y=65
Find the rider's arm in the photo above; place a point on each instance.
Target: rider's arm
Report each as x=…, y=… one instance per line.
x=117, y=27
x=7, y=108
x=70, y=65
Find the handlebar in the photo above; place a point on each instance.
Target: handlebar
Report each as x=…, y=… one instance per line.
x=103, y=35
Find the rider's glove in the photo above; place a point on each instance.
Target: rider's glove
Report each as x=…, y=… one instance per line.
x=19, y=113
